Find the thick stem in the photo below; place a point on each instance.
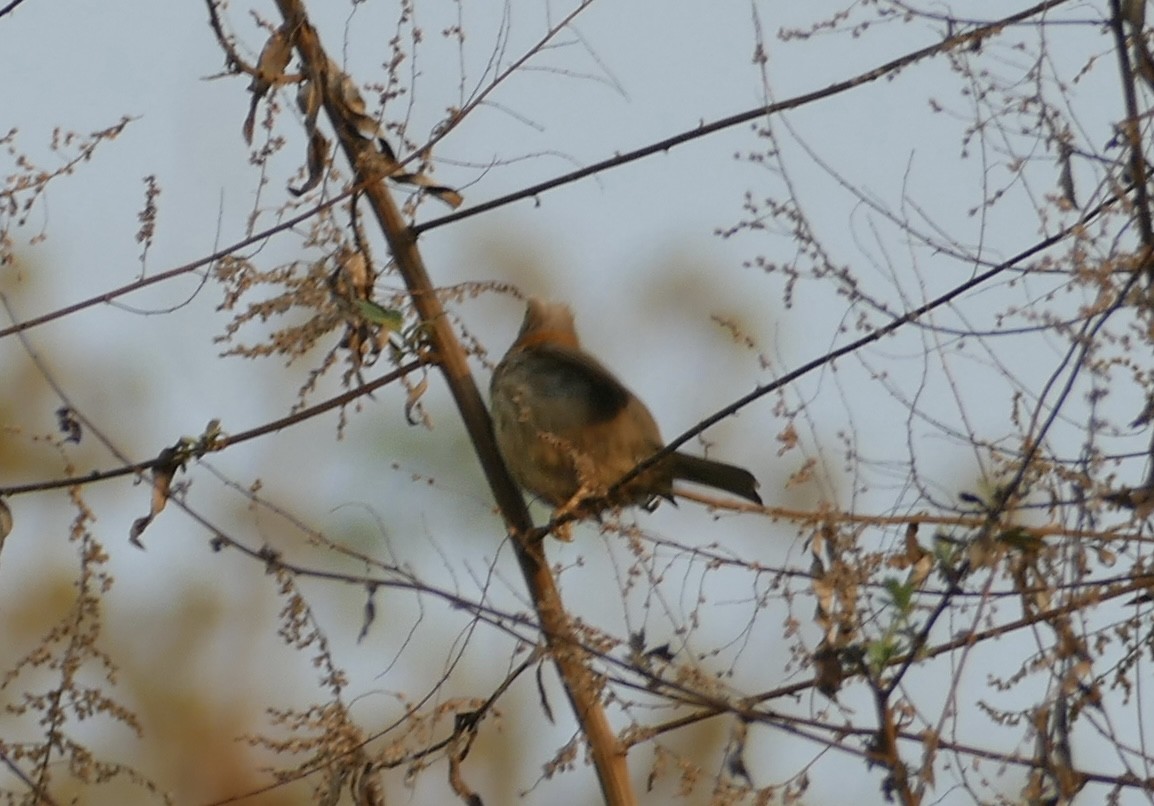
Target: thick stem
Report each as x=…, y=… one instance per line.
x=572, y=661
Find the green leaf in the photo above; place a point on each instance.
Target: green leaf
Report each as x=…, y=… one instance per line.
x=900, y=593
x=388, y=318
x=879, y=653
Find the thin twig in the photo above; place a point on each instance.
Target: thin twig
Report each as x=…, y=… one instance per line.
x=706, y=129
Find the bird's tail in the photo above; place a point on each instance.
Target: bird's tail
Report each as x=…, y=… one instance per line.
x=732, y=479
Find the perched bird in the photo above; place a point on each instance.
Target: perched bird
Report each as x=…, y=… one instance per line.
x=568, y=430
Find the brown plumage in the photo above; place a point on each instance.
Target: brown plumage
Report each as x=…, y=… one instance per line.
x=568, y=429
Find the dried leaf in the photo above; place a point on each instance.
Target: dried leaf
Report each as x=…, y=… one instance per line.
x=825, y=593
x=441, y=192
x=382, y=164
x=309, y=101
x=386, y=149
x=457, y=781
x=920, y=571
x=416, y=391
x=317, y=159
x=250, y=119
x=914, y=550
x=163, y=470
x=1106, y=556
x=350, y=108
x=354, y=270
x=345, y=95
x=274, y=58
x=367, y=788
x=343, y=92
x=789, y=439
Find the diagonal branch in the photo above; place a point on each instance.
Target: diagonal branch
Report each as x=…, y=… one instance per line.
x=580, y=683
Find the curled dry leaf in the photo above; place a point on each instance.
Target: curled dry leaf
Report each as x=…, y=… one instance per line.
x=274, y=58
x=354, y=270
x=442, y=192
x=416, y=392
x=456, y=778
x=309, y=101
x=383, y=164
x=163, y=470
x=344, y=94
x=250, y=119
x=349, y=106
x=317, y=158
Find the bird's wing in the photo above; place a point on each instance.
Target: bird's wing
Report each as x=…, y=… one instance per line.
x=562, y=372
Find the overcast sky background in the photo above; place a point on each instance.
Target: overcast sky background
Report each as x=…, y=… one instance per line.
x=634, y=250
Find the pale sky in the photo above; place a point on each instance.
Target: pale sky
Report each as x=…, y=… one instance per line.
x=634, y=250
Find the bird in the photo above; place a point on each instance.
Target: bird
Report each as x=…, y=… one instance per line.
x=569, y=430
